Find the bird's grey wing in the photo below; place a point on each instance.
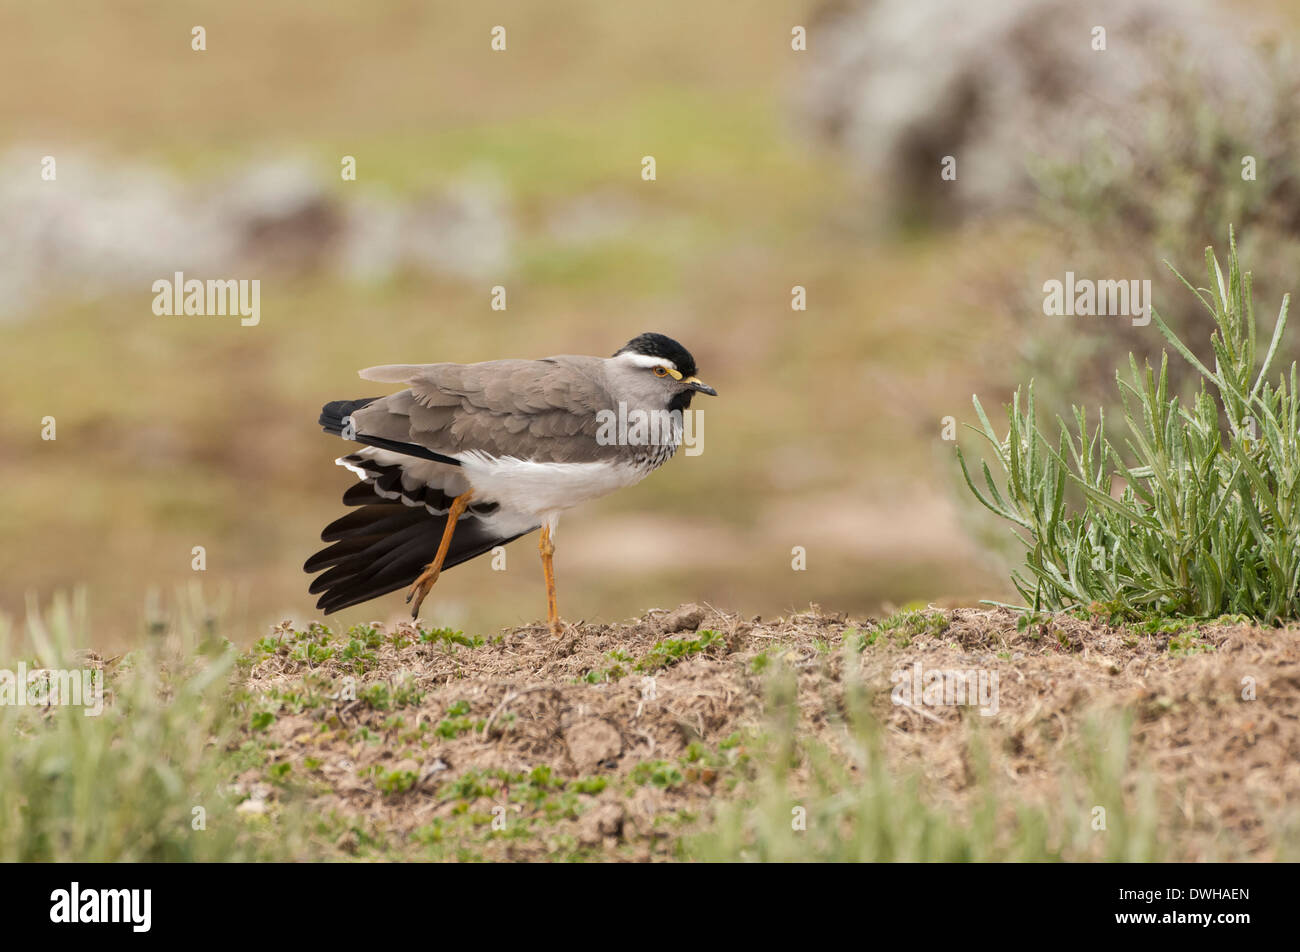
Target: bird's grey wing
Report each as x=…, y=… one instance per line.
x=540, y=410
x=390, y=466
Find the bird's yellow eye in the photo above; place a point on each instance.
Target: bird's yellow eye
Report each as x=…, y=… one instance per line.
x=661, y=371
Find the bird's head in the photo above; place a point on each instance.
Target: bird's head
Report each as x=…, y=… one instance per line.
x=653, y=365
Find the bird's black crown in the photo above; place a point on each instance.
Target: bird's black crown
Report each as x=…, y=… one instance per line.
x=657, y=345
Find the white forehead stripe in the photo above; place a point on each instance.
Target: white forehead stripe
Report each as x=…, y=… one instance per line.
x=644, y=360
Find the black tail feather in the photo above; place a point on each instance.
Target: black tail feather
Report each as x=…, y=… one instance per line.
x=384, y=546
x=335, y=412
x=368, y=520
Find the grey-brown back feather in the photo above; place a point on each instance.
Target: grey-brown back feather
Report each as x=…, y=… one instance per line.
x=540, y=410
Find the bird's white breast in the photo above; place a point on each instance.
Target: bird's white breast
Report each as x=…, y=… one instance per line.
x=542, y=489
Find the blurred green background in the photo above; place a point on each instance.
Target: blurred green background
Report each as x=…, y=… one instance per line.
x=175, y=432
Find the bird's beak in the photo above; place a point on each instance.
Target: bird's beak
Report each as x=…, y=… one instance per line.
x=695, y=383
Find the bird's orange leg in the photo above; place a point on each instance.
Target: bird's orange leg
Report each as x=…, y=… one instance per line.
x=424, y=584
x=547, y=548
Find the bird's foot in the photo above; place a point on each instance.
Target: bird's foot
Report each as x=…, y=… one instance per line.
x=421, y=588
x=557, y=627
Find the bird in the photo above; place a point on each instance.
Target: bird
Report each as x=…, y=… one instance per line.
x=473, y=456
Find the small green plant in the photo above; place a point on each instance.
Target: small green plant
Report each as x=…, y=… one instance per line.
x=901, y=627
x=451, y=637
x=312, y=653
x=469, y=786
x=612, y=673
x=383, y=696
x=1156, y=625
x=267, y=645
x=671, y=650
x=377, y=696
x=1188, y=643
x=452, y=727
x=1029, y=620
x=590, y=785
x=390, y=782
x=365, y=735
x=362, y=658
x=1195, y=512
x=658, y=772
x=368, y=635
x=542, y=777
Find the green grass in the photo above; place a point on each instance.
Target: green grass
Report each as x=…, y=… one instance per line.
x=147, y=779
x=901, y=627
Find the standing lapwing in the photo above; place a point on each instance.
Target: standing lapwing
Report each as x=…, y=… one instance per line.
x=472, y=456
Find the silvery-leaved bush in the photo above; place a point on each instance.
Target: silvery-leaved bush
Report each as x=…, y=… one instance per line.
x=1189, y=510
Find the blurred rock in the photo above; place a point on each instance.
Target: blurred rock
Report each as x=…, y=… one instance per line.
x=683, y=618
x=1011, y=88
x=277, y=215
x=590, y=741
x=603, y=215
x=95, y=227
x=466, y=231
x=103, y=226
x=605, y=820
x=252, y=807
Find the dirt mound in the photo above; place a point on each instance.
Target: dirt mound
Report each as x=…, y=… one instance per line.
x=614, y=740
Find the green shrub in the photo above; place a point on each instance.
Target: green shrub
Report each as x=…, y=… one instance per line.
x=1195, y=511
